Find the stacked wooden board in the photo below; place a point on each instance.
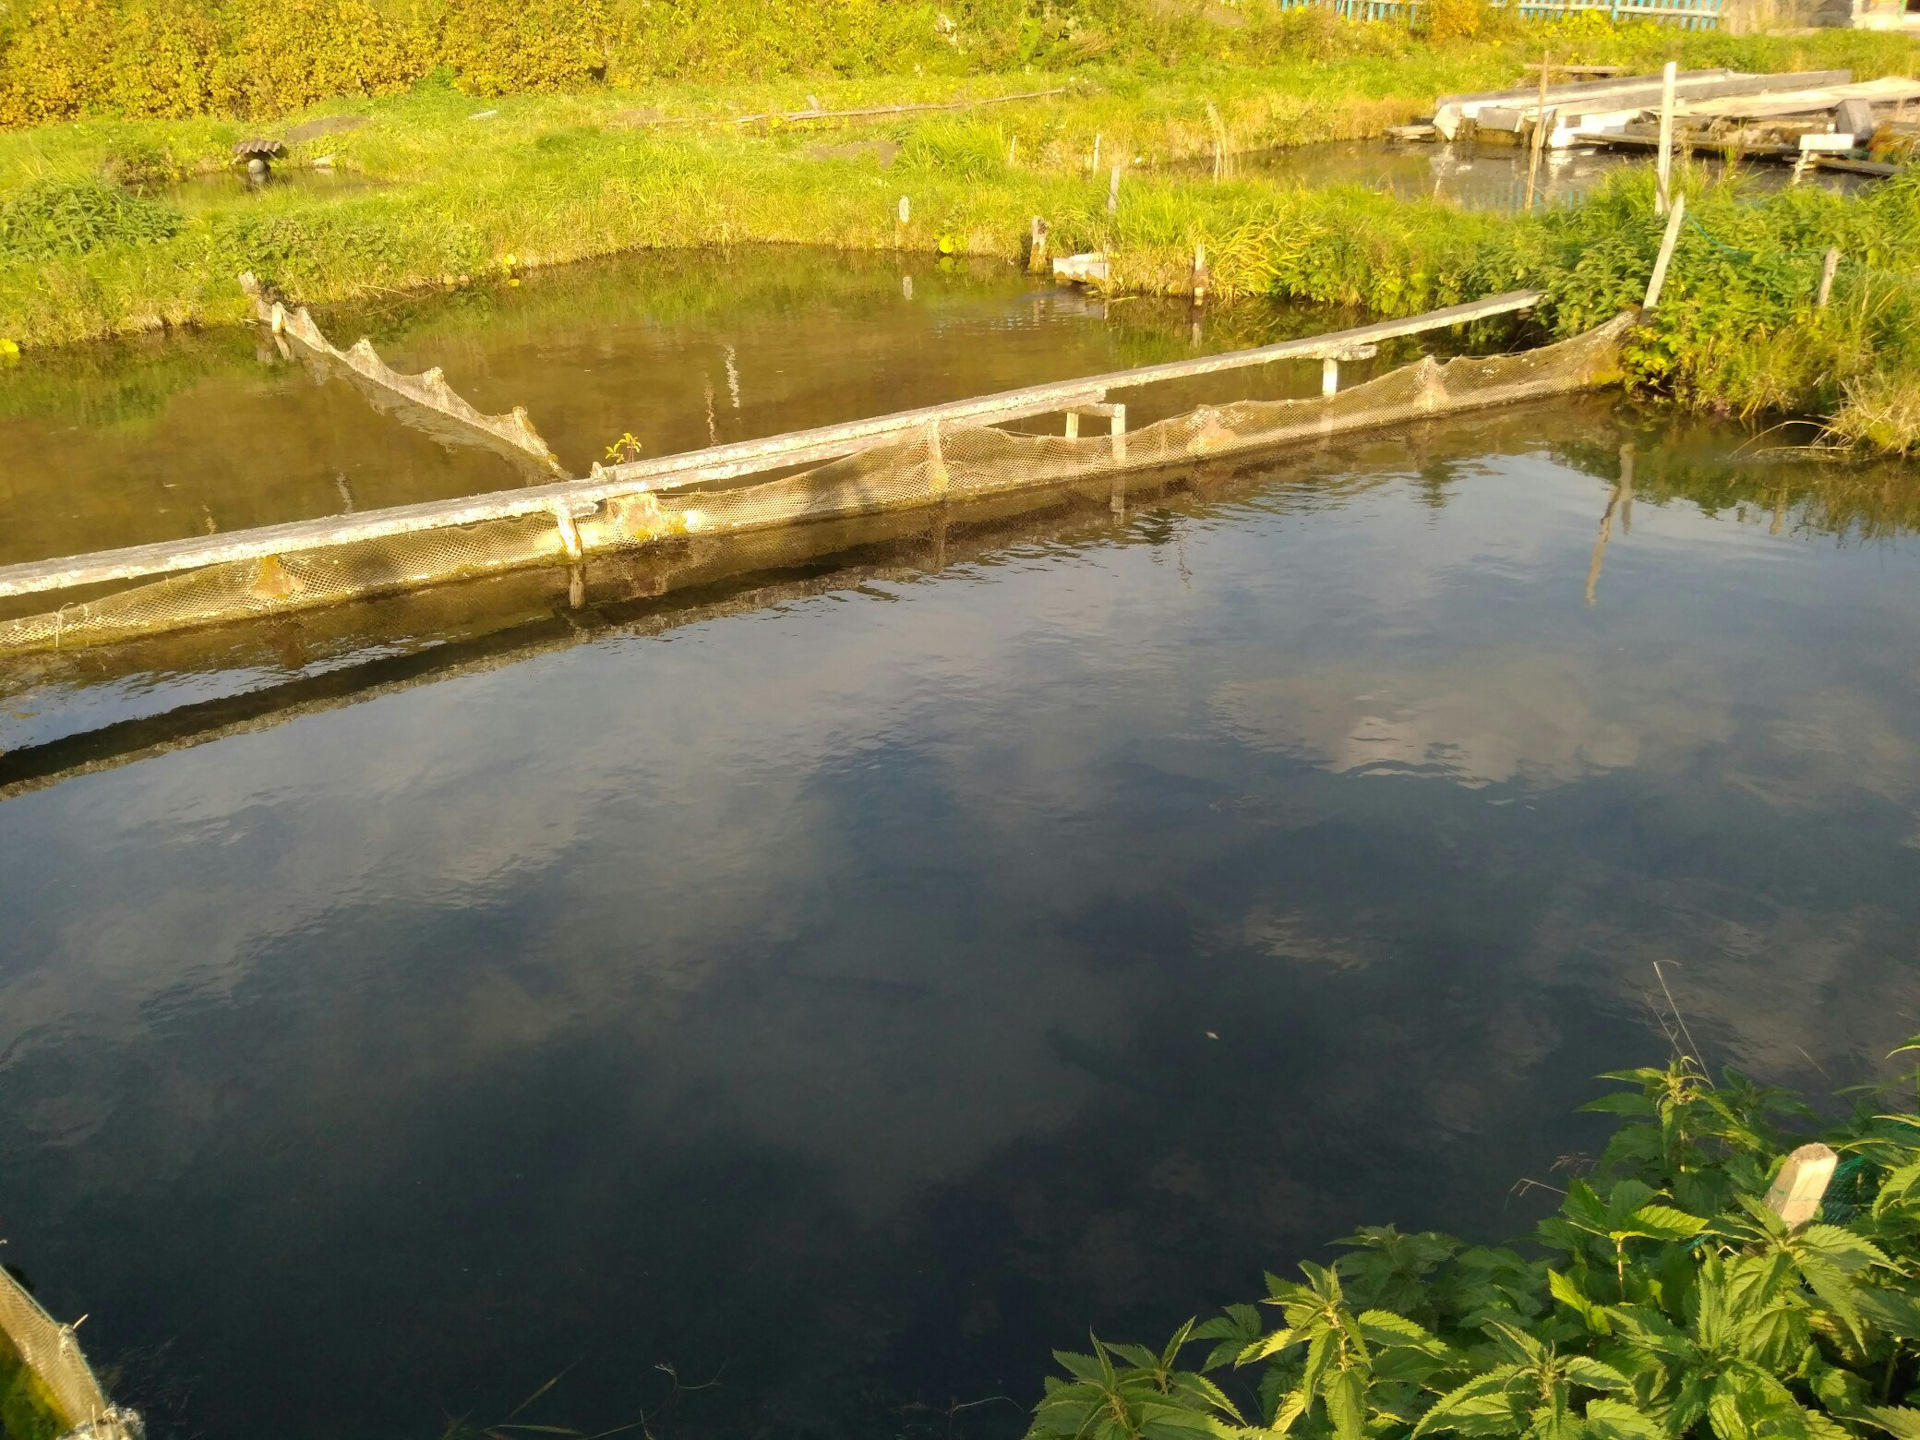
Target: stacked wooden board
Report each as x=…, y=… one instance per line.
x=1819, y=114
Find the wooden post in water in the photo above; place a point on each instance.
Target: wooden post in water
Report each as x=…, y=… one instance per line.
x=901, y=216
x=1828, y=267
x=1663, y=167
x=1541, y=128
x=1037, y=246
x=1199, y=272
x=1802, y=1184
x=1329, y=376
x=1667, y=242
x=1539, y=132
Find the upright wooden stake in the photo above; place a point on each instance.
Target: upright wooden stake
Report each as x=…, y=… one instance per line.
x=1037, y=246
x=1329, y=376
x=1113, y=192
x=1539, y=131
x=1663, y=193
x=1667, y=242
x=1095, y=166
x=1827, y=269
x=1802, y=1184
x=1199, y=272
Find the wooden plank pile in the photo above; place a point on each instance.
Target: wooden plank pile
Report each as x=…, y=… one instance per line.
x=1822, y=116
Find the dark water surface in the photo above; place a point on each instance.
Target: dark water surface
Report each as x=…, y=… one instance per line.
x=835, y=986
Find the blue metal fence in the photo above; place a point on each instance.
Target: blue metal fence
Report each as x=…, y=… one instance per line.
x=1686, y=14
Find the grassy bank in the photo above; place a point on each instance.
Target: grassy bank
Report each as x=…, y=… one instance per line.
x=437, y=188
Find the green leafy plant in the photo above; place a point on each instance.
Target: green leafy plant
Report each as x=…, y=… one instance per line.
x=50, y=218
x=1666, y=1299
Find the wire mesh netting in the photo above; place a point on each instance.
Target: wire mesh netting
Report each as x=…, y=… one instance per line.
x=935, y=466
x=44, y=1379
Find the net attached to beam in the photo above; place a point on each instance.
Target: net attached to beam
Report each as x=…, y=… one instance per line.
x=933, y=467
x=47, y=1388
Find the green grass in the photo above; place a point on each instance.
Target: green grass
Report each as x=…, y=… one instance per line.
x=554, y=178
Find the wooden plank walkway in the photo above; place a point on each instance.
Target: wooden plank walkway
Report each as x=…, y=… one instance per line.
x=1686, y=14
x=578, y=497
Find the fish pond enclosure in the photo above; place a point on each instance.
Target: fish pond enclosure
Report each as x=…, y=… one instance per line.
x=937, y=457
x=918, y=933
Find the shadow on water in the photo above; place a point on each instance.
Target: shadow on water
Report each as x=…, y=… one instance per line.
x=844, y=969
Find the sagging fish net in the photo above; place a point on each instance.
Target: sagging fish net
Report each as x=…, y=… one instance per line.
x=937, y=466
x=46, y=1386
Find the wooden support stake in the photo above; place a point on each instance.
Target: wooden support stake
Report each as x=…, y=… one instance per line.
x=1329, y=376
x=1094, y=167
x=1667, y=242
x=1802, y=1183
x=1200, y=272
x=1113, y=192
x=1540, y=128
x=1013, y=152
x=1827, y=269
x=1037, y=247
x=569, y=532
x=1663, y=172
x=1539, y=133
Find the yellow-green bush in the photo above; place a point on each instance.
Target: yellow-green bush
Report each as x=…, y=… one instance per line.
x=170, y=58
x=291, y=53
x=500, y=47
x=52, y=70
x=1455, y=19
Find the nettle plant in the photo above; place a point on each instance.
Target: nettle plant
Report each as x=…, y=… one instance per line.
x=1666, y=1300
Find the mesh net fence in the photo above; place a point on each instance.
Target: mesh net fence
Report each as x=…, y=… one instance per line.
x=958, y=464
x=44, y=1379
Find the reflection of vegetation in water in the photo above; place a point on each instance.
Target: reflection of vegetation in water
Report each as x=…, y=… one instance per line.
x=1787, y=486
x=124, y=382
x=1671, y=1301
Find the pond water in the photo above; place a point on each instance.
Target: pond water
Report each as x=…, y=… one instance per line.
x=1486, y=176
x=792, y=1005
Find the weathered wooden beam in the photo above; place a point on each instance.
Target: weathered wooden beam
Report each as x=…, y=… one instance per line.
x=1626, y=91
x=715, y=463
x=1829, y=266
x=1801, y=1185
x=1663, y=163
x=1658, y=280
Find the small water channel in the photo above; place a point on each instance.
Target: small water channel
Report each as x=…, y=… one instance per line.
x=791, y=1005
x=1486, y=176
